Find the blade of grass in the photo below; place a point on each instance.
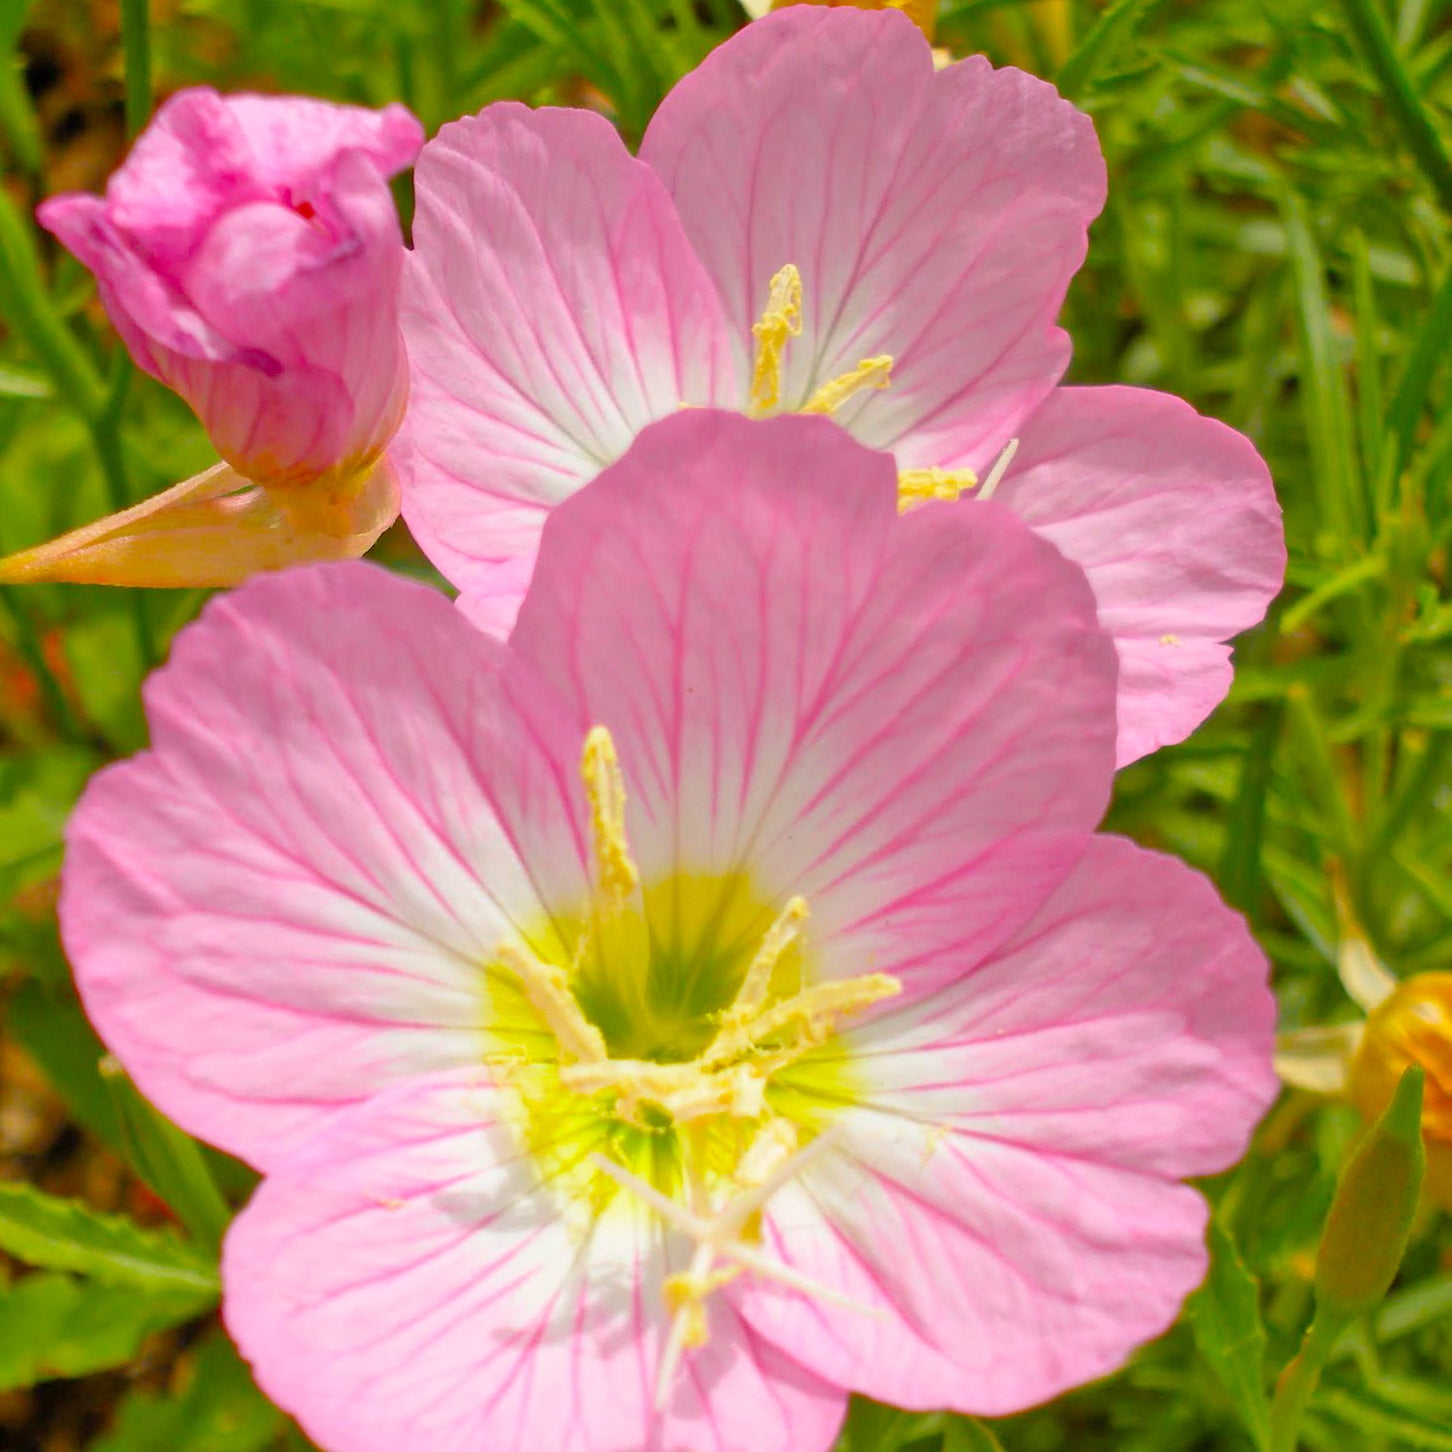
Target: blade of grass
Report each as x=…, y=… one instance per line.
x=1323, y=384
x=136, y=44
x=1097, y=48
x=1423, y=360
x=1418, y=129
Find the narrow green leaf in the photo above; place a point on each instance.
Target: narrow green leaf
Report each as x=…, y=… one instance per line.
x=23, y=383
x=1225, y=1318
x=56, y=1234
x=169, y=1161
x=1370, y=1415
x=1425, y=357
x=1323, y=384
x=1240, y=860
x=1408, y=110
x=136, y=44
x=1097, y=48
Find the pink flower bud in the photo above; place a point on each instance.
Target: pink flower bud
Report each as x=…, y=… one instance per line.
x=248, y=253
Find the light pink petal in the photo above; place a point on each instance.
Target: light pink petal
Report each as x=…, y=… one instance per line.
x=1174, y=519
x=934, y=216
x=203, y=154
x=907, y=720
x=553, y=307
x=293, y=138
x=278, y=325
x=406, y=1280
x=1006, y=1194
x=286, y=903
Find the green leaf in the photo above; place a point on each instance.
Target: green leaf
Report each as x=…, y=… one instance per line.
x=872, y=1427
x=169, y=1161
x=1097, y=48
x=52, y=1325
x=56, y=1234
x=968, y=1434
x=1225, y=1318
x=1376, y=1417
x=23, y=382
x=1323, y=385
x=218, y=1410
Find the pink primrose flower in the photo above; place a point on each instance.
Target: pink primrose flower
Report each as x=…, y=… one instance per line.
x=817, y=221
x=248, y=252
x=709, y=1003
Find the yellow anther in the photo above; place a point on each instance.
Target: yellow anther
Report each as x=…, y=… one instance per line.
x=917, y=486
x=869, y=373
x=686, y=1295
x=547, y=986
x=605, y=787
x=781, y=320
x=685, y=1092
x=757, y=983
x=811, y=1014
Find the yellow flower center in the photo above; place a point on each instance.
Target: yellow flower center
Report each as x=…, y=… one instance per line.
x=673, y=1043
x=780, y=322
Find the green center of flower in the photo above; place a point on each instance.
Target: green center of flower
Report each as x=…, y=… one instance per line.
x=675, y=1043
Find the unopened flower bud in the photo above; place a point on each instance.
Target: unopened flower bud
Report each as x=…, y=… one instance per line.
x=249, y=254
x=1412, y=1025
x=1371, y=1216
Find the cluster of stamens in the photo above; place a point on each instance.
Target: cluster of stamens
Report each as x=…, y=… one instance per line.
x=760, y=1033
x=780, y=322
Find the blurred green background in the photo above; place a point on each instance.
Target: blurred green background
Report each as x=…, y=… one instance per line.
x=1276, y=248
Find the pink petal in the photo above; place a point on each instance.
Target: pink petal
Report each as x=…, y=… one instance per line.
x=1174, y=519
x=909, y=721
x=1006, y=1195
x=407, y=1280
x=553, y=307
x=293, y=138
x=286, y=903
x=936, y=217
x=248, y=252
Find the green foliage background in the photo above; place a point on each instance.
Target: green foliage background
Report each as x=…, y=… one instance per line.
x=1276, y=248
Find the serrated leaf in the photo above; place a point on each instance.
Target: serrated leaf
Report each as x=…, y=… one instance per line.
x=55, y=1234
x=1225, y=1318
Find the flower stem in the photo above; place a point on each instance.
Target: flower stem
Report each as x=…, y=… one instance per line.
x=28, y=309
x=1298, y=1381
x=32, y=651
x=136, y=42
x=106, y=435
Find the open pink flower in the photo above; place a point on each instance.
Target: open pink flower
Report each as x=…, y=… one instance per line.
x=817, y=221
x=248, y=253
x=707, y=1004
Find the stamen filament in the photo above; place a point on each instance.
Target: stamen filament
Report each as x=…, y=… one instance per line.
x=547, y=986
x=718, y=1236
x=873, y=373
x=813, y=1008
x=781, y=320
x=757, y=983
x=999, y=469
x=605, y=787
